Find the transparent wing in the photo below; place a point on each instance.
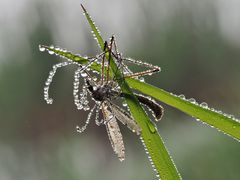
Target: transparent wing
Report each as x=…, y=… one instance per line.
x=125, y=118
x=114, y=133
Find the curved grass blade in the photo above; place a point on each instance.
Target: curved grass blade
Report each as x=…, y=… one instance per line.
x=158, y=154
x=223, y=122
x=95, y=31
x=69, y=56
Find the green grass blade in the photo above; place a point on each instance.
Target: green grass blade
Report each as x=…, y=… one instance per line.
x=150, y=136
x=225, y=123
x=95, y=31
x=69, y=56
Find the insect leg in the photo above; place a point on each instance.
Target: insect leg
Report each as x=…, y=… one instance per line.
x=153, y=69
x=49, y=80
x=103, y=62
x=83, y=128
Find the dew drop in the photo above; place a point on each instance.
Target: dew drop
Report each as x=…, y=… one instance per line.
x=86, y=108
x=151, y=127
x=141, y=79
x=51, y=52
x=84, y=74
x=124, y=104
x=41, y=48
x=181, y=96
x=192, y=100
x=76, y=58
x=121, y=159
x=204, y=104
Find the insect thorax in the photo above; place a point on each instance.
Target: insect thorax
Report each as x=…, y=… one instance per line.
x=101, y=92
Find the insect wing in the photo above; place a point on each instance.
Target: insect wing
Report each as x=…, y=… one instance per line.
x=114, y=133
x=125, y=118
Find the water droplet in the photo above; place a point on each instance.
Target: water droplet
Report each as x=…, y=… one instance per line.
x=151, y=127
x=41, y=48
x=181, y=96
x=84, y=74
x=192, y=100
x=86, y=108
x=124, y=104
x=51, y=52
x=204, y=104
x=141, y=79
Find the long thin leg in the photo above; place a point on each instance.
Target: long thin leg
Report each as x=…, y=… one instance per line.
x=153, y=69
x=109, y=57
x=49, y=80
x=98, y=123
x=103, y=62
x=83, y=128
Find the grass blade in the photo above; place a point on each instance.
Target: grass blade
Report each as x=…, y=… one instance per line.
x=95, y=31
x=225, y=123
x=69, y=56
x=158, y=154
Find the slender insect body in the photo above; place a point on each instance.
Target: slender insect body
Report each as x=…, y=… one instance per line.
x=104, y=90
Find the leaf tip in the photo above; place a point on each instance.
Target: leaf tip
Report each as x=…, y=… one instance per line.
x=83, y=8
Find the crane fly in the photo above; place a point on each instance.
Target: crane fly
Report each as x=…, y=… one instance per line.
x=103, y=90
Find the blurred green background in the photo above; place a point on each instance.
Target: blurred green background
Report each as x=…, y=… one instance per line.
x=197, y=45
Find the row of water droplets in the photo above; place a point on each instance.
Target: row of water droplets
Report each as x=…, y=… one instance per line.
x=49, y=80
x=143, y=63
x=205, y=106
x=149, y=157
x=97, y=30
x=63, y=53
x=83, y=128
x=151, y=154
x=82, y=101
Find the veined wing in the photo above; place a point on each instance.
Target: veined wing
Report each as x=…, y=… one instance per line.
x=114, y=133
x=125, y=118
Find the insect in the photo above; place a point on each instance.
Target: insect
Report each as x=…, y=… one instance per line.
x=104, y=90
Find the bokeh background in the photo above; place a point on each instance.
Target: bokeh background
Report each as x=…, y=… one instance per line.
x=197, y=45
